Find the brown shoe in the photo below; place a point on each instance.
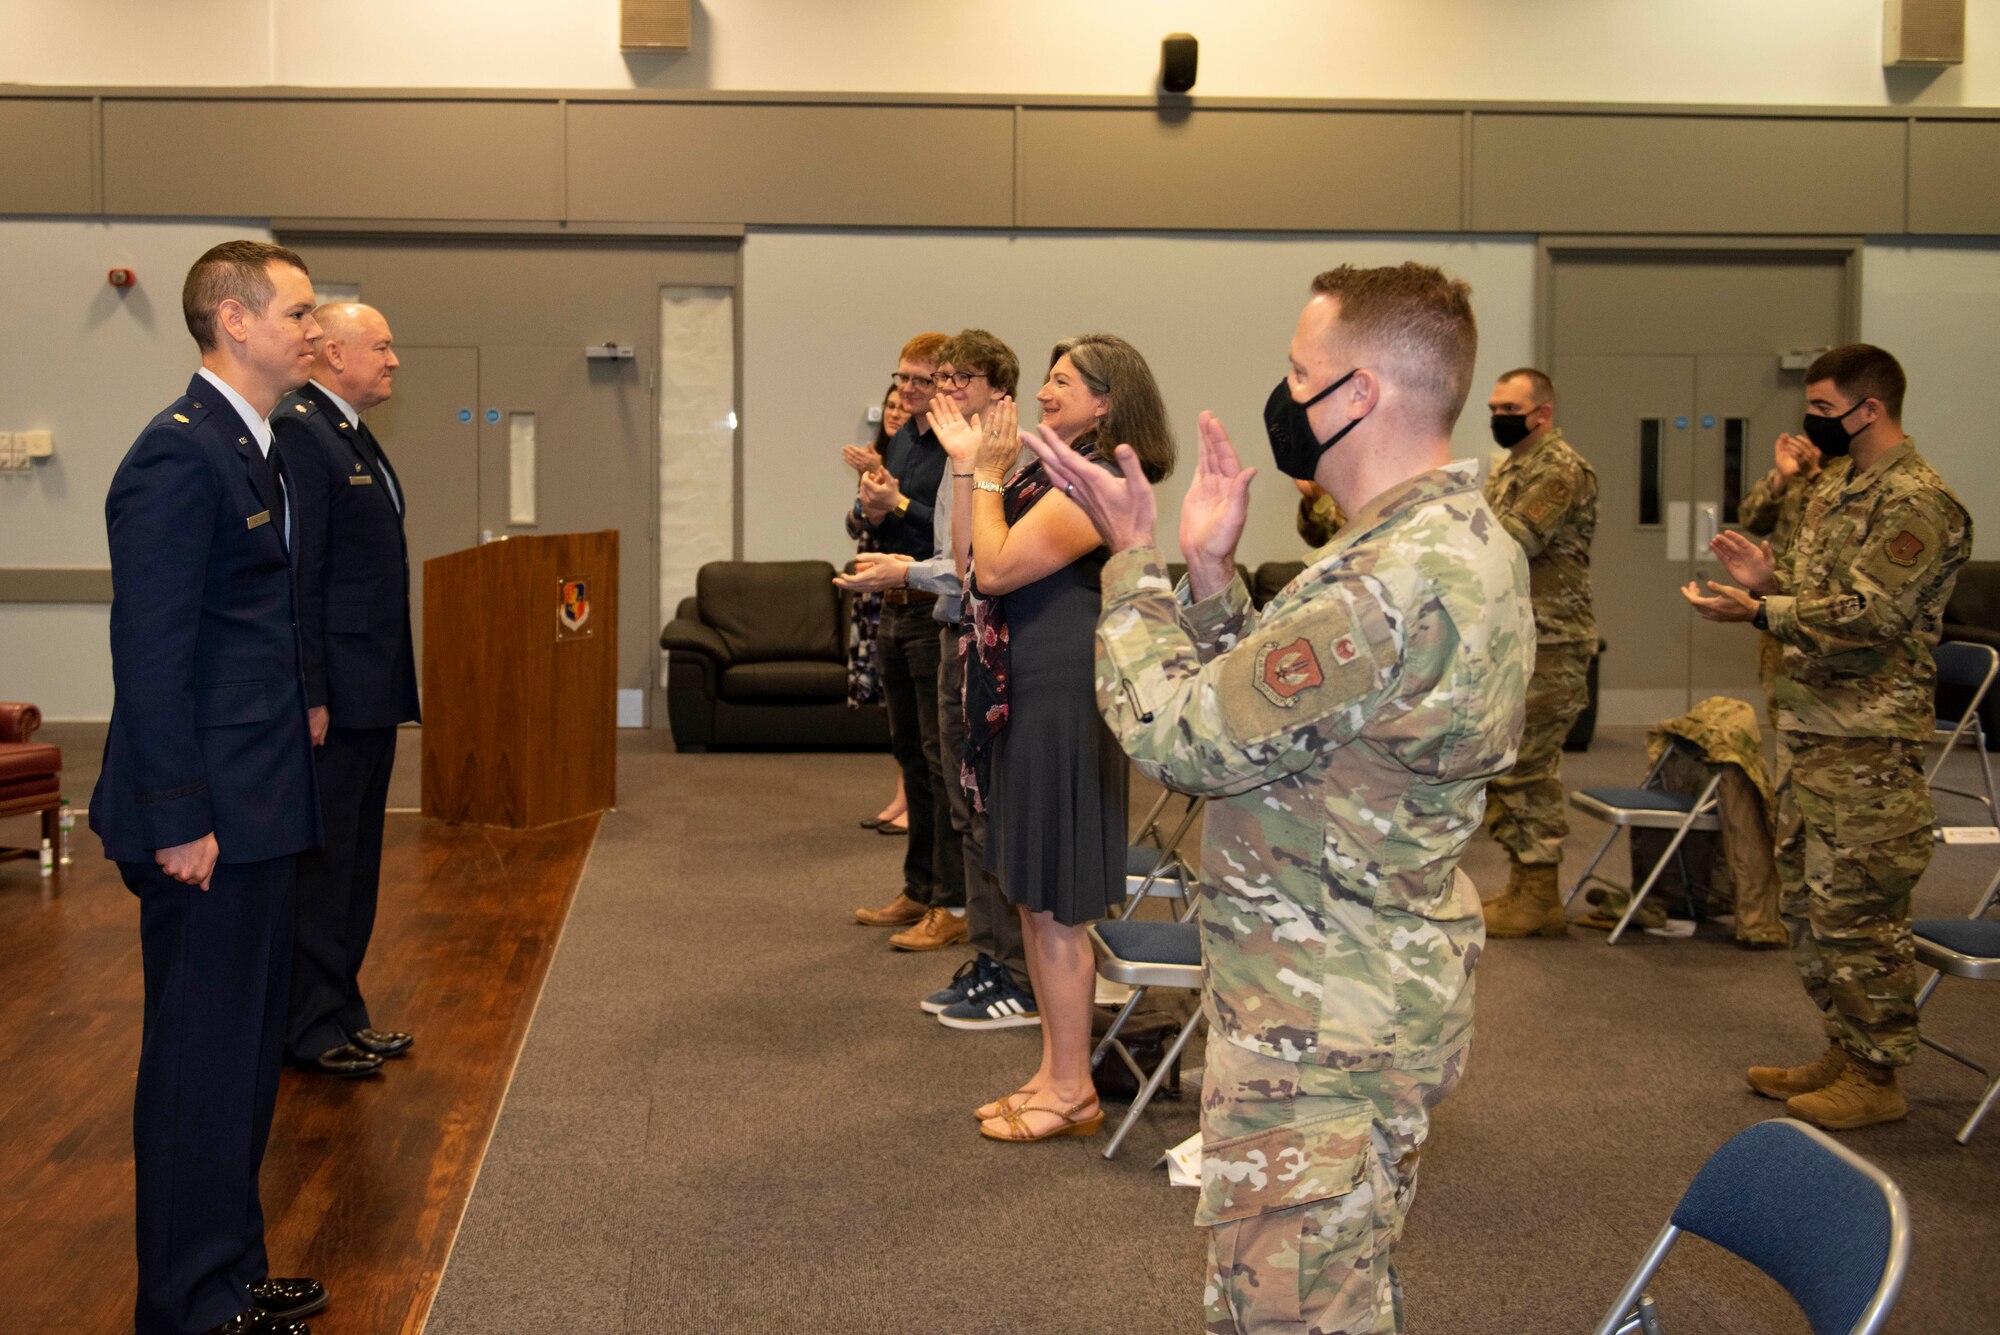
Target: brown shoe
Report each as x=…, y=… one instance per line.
x=899, y=912
x=1862, y=1095
x=936, y=930
x=1783, y=1082
x=1531, y=906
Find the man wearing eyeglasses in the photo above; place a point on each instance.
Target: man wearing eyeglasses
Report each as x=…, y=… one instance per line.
x=896, y=502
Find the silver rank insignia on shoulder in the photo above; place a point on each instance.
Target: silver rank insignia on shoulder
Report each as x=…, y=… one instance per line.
x=181, y=419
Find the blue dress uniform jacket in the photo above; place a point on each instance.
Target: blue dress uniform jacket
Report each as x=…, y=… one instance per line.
x=208, y=724
x=354, y=566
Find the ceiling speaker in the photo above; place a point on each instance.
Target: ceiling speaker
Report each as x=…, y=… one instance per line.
x=654, y=25
x=1178, y=54
x=1923, y=32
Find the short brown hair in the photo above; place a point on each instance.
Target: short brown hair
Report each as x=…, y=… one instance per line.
x=1540, y=386
x=1863, y=371
x=232, y=271
x=1113, y=368
x=977, y=350
x=1417, y=323
x=922, y=348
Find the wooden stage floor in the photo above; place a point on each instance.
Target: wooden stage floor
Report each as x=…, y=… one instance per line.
x=365, y=1180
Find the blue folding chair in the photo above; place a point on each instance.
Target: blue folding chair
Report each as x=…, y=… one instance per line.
x=1970, y=667
x=1822, y=1221
x=1650, y=806
x=1964, y=948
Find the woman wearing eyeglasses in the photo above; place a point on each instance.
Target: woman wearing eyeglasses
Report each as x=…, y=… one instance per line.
x=1049, y=773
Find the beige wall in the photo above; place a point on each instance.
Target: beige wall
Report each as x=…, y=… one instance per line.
x=824, y=315
x=1937, y=307
x=1796, y=52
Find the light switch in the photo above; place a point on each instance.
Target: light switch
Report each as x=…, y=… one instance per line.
x=7, y=451
x=36, y=444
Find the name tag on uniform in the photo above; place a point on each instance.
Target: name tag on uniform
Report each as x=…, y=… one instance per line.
x=258, y=520
x=360, y=480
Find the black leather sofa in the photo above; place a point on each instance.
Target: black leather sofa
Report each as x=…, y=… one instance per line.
x=758, y=658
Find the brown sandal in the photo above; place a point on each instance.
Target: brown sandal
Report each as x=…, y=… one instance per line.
x=1001, y=1106
x=1070, y=1125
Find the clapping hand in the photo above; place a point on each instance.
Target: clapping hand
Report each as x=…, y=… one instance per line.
x=1749, y=562
x=959, y=436
x=860, y=458
x=1798, y=457
x=1721, y=603
x=879, y=493
x=1000, y=442
x=874, y=571
x=1121, y=507
x=1214, y=510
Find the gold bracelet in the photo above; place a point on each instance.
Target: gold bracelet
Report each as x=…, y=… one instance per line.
x=983, y=485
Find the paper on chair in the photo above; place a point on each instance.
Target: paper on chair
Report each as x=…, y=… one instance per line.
x=1970, y=834
x=1183, y=1163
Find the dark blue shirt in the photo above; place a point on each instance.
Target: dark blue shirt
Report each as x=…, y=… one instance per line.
x=917, y=462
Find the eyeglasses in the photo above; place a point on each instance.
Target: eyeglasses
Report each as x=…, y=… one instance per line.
x=920, y=381
x=959, y=379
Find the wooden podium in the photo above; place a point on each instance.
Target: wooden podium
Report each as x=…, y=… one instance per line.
x=521, y=680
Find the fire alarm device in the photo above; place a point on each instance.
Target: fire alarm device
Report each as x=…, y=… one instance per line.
x=123, y=278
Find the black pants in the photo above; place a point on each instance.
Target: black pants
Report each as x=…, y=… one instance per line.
x=907, y=647
x=991, y=921
x=337, y=891
x=217, y=963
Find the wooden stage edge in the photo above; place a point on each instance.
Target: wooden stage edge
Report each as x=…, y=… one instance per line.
x=365, y=1182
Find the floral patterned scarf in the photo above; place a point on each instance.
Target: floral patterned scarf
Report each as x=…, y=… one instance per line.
x=983, y=649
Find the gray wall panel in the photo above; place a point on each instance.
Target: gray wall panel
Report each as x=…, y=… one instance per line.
x=45, y=161
x=832, y=165
x=1554, y=173
x=1955, y=177
x=1249, y=170
x=333, y=159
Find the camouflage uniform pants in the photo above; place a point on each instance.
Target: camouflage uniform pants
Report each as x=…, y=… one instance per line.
x=1307, y=1174
x=1770, y=666
x=1524, y=807
x=1854, y=836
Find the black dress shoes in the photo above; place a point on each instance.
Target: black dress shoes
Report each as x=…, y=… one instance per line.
x=382, y=1043
x=288, y=1299
x=345, y=1060
x=254, y=1322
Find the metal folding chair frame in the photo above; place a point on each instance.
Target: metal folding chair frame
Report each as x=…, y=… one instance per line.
x=1949, y=738
x=1632, y=1311
x=1936, y=955
x=1701, y=816
x=1141, y=977
x=1170, y=876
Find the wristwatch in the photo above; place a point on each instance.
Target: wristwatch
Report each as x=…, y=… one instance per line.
x=902, y=506
x=1760, y=620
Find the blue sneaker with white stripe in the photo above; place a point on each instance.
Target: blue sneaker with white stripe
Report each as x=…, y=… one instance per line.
x=1002, y=1004
x=973, y=976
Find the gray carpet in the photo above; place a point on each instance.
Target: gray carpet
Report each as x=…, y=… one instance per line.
x=731, y=1117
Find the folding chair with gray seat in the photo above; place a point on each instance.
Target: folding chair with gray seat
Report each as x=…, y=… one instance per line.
x=1813, y=1215
x=1154, y=864
x=1970, y=667
x=1964, y=948
x=1146, y=955
x=1650, y=806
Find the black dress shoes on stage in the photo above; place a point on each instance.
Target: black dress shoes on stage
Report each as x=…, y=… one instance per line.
x=345, y=1060
x=382, y=1043
x=254, y=1322
x=282, y=1300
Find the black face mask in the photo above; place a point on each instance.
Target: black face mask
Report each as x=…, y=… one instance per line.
x=1288, y=424
x=1510, y=429
x=1829, y=436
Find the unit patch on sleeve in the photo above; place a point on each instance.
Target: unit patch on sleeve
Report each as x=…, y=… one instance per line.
x=1283, y=672
x=1905, y=548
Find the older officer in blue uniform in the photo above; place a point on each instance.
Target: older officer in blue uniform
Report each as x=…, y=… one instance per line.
x=361, y=676
x=207, y=791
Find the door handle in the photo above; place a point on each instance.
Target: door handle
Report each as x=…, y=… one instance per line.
x=1708, y=522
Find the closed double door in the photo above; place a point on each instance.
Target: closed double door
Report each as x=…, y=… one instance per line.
x=1672, y=378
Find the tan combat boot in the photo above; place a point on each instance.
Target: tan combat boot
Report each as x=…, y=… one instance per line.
x=1608, y=906
x=1783, y=1082
x=1531, y=907
x=936, y=930
x=898, y=912
x=1861, y=1095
